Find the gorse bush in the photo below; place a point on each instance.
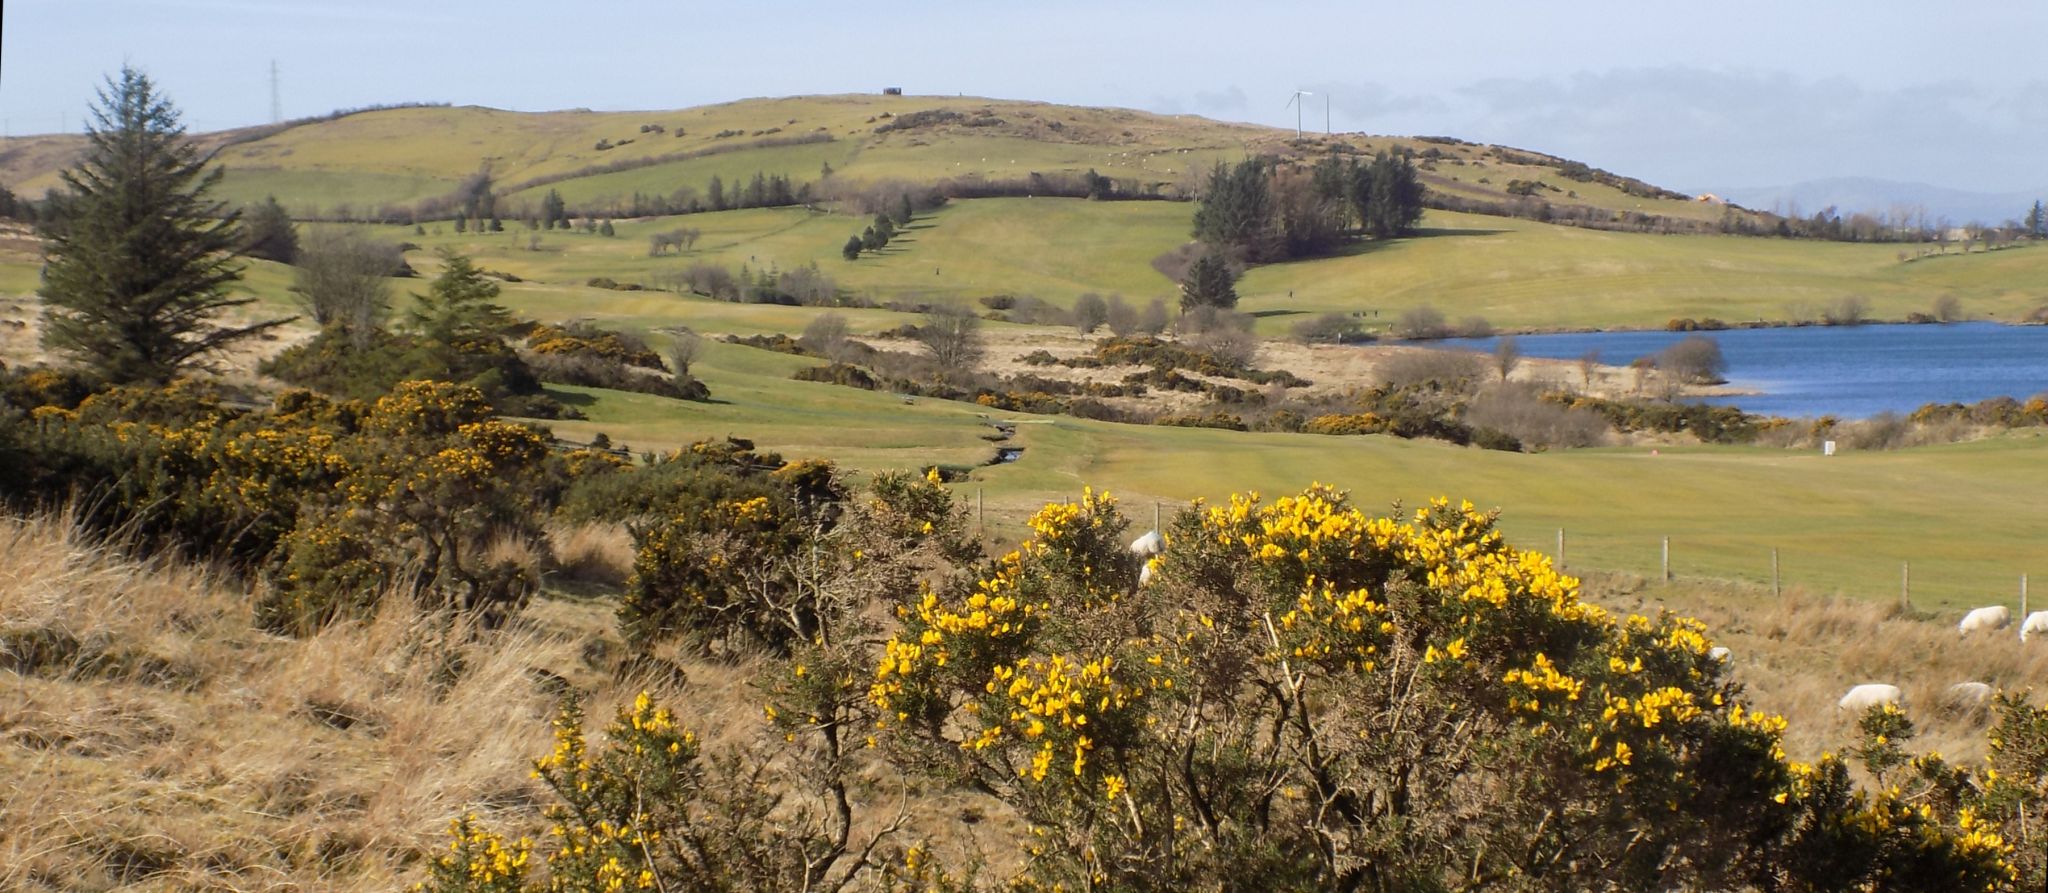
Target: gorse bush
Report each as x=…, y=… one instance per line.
x=335, y=503
x=778, y=552
x=1310, y=698
x=1303, y=697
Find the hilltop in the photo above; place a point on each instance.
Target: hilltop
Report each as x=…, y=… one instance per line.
x=365, y=164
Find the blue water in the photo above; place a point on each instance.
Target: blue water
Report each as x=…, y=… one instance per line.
x=1847, y=371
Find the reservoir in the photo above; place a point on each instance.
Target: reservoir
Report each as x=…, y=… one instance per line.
x=1847, y=371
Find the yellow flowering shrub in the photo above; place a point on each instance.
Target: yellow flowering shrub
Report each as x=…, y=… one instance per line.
x=646, y=807
x=1308, y=696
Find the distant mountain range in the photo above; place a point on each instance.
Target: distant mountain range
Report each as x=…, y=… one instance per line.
x=1852, y=194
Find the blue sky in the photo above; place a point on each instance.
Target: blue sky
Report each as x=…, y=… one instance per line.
x=1686, y=94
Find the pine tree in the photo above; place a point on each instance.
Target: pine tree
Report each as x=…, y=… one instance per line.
x=461, y=223
x=140, y=267
x=2037, y=221
x=1209, y=283
x=553, y=210
x=885, y=229
x=905, y=211
x=1236, y=210
x=271, y=235
x=605, y=229
x=851, y=249
x=1396, y=203
x=460, y=305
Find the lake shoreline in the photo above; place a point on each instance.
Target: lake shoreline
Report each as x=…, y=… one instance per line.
x=1812, y=371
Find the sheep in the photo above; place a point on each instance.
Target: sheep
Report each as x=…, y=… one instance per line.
x=1984, y=620
x=1719, y=653
x=1868, y=695
x=1148, y=545
x=2036, y=622
x=1145, y=549
x=1966, y=696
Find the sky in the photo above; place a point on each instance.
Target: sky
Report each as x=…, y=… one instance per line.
x=1696, y=96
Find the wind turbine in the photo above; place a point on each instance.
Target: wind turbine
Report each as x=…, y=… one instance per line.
x=1295, y=101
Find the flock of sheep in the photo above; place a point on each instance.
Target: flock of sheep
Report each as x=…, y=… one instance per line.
x=1960, y=696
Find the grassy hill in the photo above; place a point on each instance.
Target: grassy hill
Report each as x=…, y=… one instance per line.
x=1515, y=273
x=402, y=155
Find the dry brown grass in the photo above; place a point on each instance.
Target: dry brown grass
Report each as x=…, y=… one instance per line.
x=150, y=736
x=592, y=554
x=1798, y=654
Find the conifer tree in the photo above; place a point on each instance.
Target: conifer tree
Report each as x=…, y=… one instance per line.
x=1209, y=283
x=851, y=249
x=138, y=271
x=271, y=235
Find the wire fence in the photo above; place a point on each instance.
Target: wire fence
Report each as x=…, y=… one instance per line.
x=1946, y=578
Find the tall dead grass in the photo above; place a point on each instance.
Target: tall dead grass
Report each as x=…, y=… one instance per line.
x=1798, y=654
x=149, y=734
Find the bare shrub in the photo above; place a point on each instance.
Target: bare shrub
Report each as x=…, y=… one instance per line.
x=1229, y=343
x=1121, y=318
x=1330, y=328
x=341, y=280
x=1454, y=369
x=710, y=280
x=1695, y=360
x=1848, y=310
x=826, y=336
x=1421, y=323
x=1507, y=354
x=1174, y=265
x=683, y=348
x=1475, y=327
x=1204, y=318
x=1884, y=431
x=1090, y=312
x=1517, y=409
x=1589, y=363
x=1948, y=308
x=1153, y=319
x=952, y=333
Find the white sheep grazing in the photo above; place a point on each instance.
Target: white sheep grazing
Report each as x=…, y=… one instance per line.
x=1868, y=695
x=1719, y=653
x=2036, y=622
x=1966, y=696
x=1148, y=545
x=1984, y=620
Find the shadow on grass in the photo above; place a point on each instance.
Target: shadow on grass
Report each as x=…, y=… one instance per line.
x=1445, y=232
x=570, y=398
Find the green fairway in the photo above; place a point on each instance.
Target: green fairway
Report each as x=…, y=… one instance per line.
x=308, y=193
x=1522, y=274
x=1514, y=273
x=1966, y=516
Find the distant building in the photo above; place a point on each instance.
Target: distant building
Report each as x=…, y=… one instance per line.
x=892, y=91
